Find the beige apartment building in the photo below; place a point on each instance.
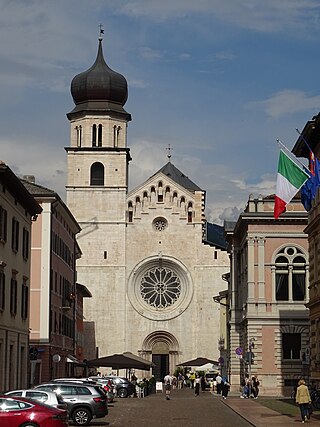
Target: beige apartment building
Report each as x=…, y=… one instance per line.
x=17, y=210
x=54, y=306
x=268, y=293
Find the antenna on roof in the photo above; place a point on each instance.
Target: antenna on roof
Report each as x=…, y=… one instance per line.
x=169, y=149
x=101, y=31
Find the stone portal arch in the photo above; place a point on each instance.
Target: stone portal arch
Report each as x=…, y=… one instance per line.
x=163, y=349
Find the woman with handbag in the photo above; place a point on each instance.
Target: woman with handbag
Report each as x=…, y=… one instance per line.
x=303, y=400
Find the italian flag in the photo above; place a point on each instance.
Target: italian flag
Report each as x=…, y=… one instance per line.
x=290, y=179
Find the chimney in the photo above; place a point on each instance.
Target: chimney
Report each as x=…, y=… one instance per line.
x=30, y=178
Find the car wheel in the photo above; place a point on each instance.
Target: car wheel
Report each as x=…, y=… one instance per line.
x=122, y=392
x=81, y=416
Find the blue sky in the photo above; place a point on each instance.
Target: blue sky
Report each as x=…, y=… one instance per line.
x=218, y=80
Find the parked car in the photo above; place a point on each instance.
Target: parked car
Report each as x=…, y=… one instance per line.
x=88, y=381
x=107, y=386
x=123, y=386
x=85, y=401
x=48, y=397
x=21, y=412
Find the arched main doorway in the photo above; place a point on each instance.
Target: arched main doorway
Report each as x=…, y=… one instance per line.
x=164, y=349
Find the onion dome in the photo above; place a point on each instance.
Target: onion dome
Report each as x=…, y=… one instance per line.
x=99, y=88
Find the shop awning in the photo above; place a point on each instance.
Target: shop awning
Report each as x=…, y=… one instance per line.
x=72, y=359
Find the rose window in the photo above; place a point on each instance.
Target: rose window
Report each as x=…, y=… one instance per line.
x=160, y=287
x=160, y=224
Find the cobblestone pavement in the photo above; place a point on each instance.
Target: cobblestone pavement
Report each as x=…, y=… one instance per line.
x=183, y=409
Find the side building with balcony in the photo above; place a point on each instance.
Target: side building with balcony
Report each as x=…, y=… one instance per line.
x=17, y=211
x=268, y=290
x=53, y=308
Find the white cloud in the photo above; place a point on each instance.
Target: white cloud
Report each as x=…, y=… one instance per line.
x=139, y=84
x=151, y=54
x=287, y=102
x=185, y=56
x=46, y=162
x=224, y=56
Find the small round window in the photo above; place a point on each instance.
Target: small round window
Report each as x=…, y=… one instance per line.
x=160, y=224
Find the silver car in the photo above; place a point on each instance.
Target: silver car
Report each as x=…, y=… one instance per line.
x=85, y=401
x=47, y=397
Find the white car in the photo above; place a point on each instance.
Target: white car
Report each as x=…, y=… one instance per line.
x=48, y=397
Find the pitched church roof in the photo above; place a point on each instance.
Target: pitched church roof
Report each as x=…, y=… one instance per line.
x=176, y=175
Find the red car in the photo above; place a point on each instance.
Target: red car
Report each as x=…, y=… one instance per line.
x=22, y=412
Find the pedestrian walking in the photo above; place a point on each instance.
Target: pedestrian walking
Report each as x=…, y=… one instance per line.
x=203, y=383
x=192, y=378
x=180, y=380
x=168, y=385
x=197, y=385
x=225, y=388
x=218, y=383
x=303, y=400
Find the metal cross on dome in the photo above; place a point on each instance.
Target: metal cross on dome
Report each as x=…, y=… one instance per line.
x=101, y=31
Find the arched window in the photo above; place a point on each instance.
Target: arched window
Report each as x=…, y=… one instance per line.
x=190, y=212
x=79, y=135
x=97, y=174
x=130, y=212
x=160, y=192
x=94, y=135
x=290, y=276
x=100, y=136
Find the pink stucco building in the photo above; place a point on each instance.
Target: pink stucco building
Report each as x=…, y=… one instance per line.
x=268, y=293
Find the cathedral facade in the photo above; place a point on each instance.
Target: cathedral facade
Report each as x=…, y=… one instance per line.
x=146, y=256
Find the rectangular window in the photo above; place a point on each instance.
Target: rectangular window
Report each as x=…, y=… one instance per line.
x=25, y=244
x=2, y=290
x=291, y=346
x=24, y=300
x=15, y=235
x=3, y=224
x=298, y=287
x=13, y=296
x=282, y=287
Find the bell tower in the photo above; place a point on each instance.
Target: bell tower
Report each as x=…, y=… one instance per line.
x=98, y=156
x=97, y=182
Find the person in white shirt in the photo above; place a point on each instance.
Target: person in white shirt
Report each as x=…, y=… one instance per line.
x=168, y=385
x=219, y=383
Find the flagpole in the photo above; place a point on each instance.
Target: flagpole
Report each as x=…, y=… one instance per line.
x=304, y=140
x=291, y=154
